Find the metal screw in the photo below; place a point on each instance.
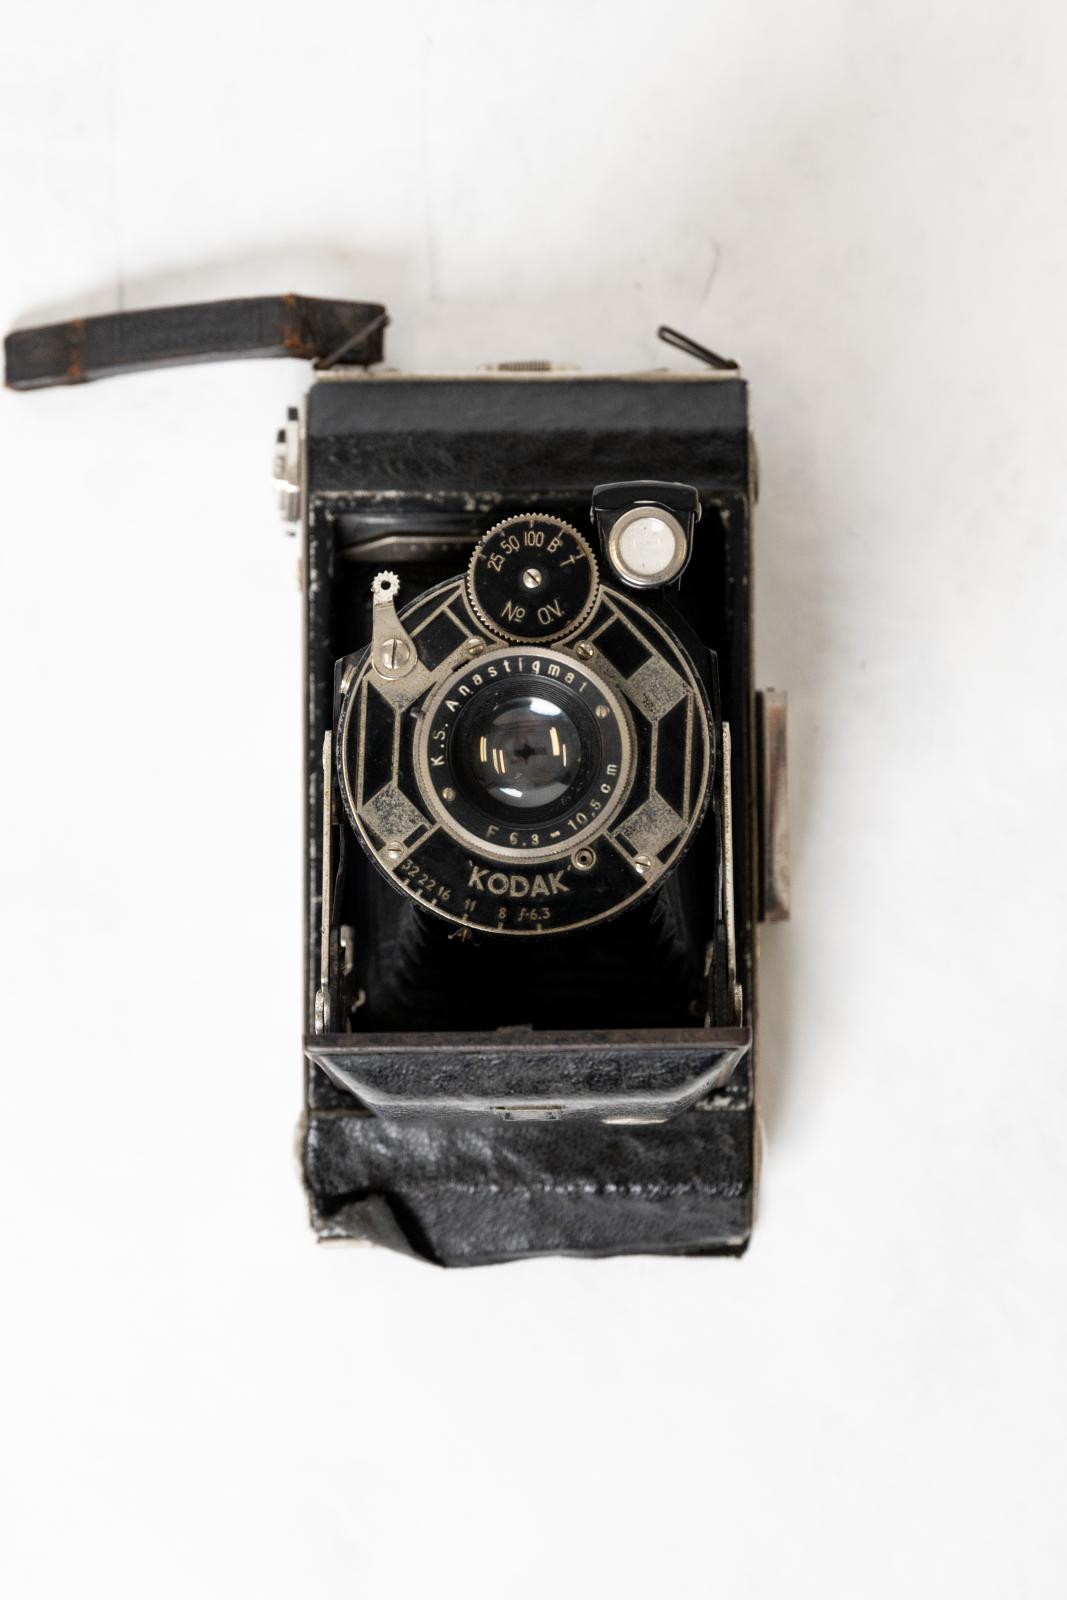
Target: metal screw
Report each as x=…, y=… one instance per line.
x=448, y=794
x=602, y=711
x=584, y=859
x=642, y=864
x=474, y=647
x=532, y=578
x=584, y=652
x=393, y=850
x=394, y=654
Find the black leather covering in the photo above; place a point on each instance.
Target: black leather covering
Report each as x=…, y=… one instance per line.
x=466, y=1196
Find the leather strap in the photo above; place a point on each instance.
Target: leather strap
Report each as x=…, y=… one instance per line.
x=329, y=332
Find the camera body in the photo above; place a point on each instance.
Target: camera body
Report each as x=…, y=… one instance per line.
x=545, y=805
x=534, y=780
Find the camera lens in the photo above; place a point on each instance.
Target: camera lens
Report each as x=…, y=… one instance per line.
x=523, y=752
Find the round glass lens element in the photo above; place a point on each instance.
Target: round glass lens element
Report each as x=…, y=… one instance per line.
x=524, y=752
x=647, y=546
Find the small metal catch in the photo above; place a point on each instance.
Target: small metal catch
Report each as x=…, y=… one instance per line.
x=773, y=802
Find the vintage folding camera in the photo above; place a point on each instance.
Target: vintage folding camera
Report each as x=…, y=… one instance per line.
x=545, y=806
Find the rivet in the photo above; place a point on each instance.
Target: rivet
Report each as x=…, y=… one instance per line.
x=394, y=654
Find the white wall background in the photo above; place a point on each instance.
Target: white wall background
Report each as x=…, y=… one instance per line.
x=866, y=203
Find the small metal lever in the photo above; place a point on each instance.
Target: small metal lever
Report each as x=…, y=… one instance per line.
x=772, y=799
x=393, y=652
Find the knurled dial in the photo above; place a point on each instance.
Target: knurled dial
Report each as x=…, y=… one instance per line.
x=532, y=579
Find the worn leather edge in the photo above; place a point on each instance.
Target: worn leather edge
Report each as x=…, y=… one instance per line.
x=470, y=1196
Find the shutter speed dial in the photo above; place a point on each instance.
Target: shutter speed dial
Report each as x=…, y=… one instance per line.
x=532, y=579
